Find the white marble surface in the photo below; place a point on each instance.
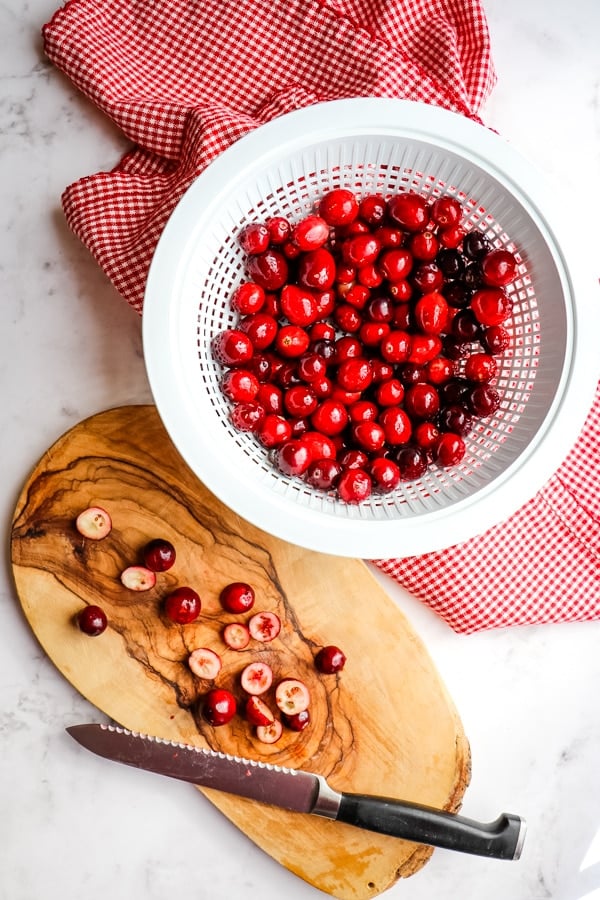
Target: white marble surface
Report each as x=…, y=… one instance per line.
x=69, y=827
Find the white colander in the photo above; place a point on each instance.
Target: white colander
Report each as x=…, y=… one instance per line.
x=382, y=146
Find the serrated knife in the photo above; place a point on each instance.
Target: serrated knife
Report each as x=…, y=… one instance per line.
x=304, y=792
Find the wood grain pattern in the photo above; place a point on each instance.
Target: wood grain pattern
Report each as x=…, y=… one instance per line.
x=384, y=725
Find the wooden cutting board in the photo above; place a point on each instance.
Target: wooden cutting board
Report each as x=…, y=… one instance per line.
x=385, y=724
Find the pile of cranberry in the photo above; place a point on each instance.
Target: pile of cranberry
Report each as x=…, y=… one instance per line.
x=367, y=339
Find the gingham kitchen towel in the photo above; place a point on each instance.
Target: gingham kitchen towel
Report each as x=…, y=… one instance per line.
x=184, y=79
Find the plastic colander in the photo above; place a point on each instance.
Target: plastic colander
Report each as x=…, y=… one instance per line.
x=383, y=146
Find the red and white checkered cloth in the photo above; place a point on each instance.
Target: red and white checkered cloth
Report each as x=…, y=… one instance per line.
x=183, y=80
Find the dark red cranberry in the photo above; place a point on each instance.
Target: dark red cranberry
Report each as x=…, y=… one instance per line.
x=92, y=620
x=476, y=245
x=484, y=400
x=323, y=474
x=451, y=262
x=455, y=417
x=330, y=660
x=465, y=326
x=412, y=462
x=457, y=294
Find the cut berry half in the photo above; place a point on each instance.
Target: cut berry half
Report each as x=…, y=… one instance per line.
x=159, y=555
x=256, y=678
x=205, y=663
x=92, y=620
x=264, y=626
x=257, y=712
x=292, y=696
x=269, y=734
x=183, y=605
x=237, y=597
x=219, y=706
x=236, y=635
x=330, y=659
x=93, y=523
x=138, y=578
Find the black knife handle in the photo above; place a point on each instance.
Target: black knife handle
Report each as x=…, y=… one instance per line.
x=502, y=839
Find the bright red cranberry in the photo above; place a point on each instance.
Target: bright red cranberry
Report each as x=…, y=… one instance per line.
x=401, y=290
x=426, y=434
x=248, y=298
x=396, y=347
x=496, y=339
x=388, y=236
x=240, y=385
x=363, y=411
x=274, y=430
x=371, y=334
x=431, y=313
x=355, y=374
x=261, y=328
x=292, y=341
x=422, y=401
x=347, y=347
x=439, y=370
x=159, y=555
x=357, y=296
x=219, y=706
x=270, y=397
x=385, y=474
x=300, y=400
x=310, y=233
x=396, y=265
x=382, y=370
x=451, y=237
x=298, y=305
x=427, y=277
x=373, y=209
x=412, y=463
x=323, y=474
x=298, y=721
x=499, y=268
x=446, y=211
x=232, y=347
x=311, y=367
x=293, y=458
x=92, y=620
x=183, y=605
x=361, y=249
x=370, y=276
x=338, y=207
x=316, y=269
x=254, y=238
x=330, y=417
x=354, y=485
x=247, y=416
x=396, y=425
x=279, y=229
x=325, y=301
x=330, y=660
x=269, y=269
x=423, y=348
x=449, y=449
x=237, y=597
x=390, y=392
x=347, y=317
x=322, y=331
x=424, y=246
x=481, y=367
x=369, y=435
x=409, y=210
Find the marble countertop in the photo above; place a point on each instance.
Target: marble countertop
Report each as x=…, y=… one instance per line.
x=71, y=347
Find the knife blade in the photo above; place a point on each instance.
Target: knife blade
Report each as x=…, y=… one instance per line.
x=304, y=792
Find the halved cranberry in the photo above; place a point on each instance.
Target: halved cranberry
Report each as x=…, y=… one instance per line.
x=236, y=635
x=94, y=523
x=205, y=663
x=269, y=734
x=264, y=626
x=256, y=678
x=257, y=712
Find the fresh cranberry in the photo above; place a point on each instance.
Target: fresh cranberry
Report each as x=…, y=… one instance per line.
x=363, y=411
x=232, y=347
x=431, y=313
x=347, y=317
x=92, y=620
x=451, y=237
x=322, y=331
x=310, y=233
x=396, y=425
x=499, y=268
x=298, y=305
x=292, y=341
x=300, y=400
x=298, y=721
x=422, y=401
x=261, y=328
x=465, y=326
x=325, y=301
x=423, y=348
x=269, y=269
x=369, y=435
x=476, y=245
x=372, y=333
x=424, y=246
x=339, y=207
x=361, y=249
x=401, y=290
x=370, y=276
x=481, y=367
x=270, y=397
x=323, y=474
x=274, y=430
x=330, y=417
x=373, y=209
x=254, y=238
x=248, y=298
x=240, y=385
x=382, y=370
x=347, y=347
x=353, y=458
x=357, y=296
x=457, y=294
x=451, y=263
x=293, y=458
x=247, y=416
x=279, y=229
x=409, y=210
x=446, y=211
x=389, y=393
x=355, y=374
x=385, y=474
x=311, y=367
x=412, y=463
x=396, y=265
x=449, y=449
x=426, y=434
x=321, y=446
x=396, y=347
x=439, y=370
x=427, y=277
x=183, y=605
x=411, y=373
x=496, y=339
x=159, y=555
x=330, y=659
x=316, y=269
x=388, y=236
x=219, y=706
x=237, y=597
x=354, y=485
x=484, y=400
x=455, y=417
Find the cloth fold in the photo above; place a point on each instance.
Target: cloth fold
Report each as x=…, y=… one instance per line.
x=183, y=80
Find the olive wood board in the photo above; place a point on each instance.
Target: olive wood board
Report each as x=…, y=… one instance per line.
x=384, y=725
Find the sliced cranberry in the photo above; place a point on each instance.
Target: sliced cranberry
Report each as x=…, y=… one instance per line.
x=205, y=663
x=236, y=635
x=138, y=578
x=93, y=523
x=257, y=712
x=256, y=678
x=269, y=734
x=219, y=706
x=264, y=626
x=292, y=696
x=92, y=620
